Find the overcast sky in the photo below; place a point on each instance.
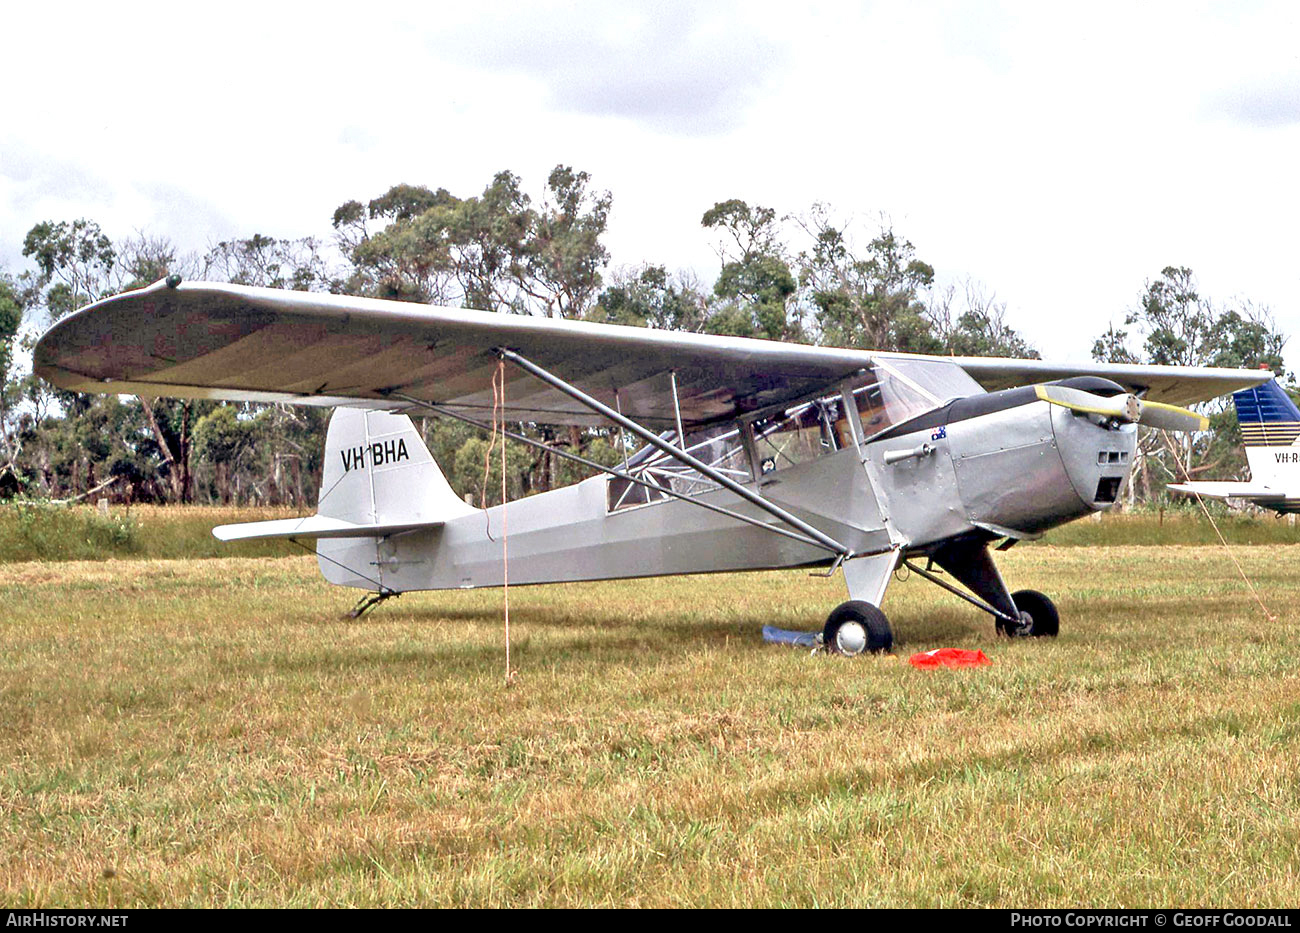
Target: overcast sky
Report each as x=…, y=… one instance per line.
x=1058, y=154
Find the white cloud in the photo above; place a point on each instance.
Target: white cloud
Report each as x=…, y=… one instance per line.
x=676, y=67
x=1261, y=102
x=1060, y=155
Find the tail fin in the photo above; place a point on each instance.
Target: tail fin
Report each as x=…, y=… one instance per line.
x=379, y=479
x=378, y=472
x=1270, y=428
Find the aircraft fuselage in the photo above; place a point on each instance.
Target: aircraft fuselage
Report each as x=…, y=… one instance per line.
x=1015, y=470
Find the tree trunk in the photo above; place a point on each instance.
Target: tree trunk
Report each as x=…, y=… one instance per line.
x=187, y=481
x=176, y=480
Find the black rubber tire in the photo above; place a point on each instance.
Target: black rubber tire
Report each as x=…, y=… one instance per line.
x=1044, y=620
x=879, y=635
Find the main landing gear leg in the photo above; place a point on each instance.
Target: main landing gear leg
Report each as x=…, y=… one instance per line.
x=370, y=601
x=858, y=625
x=1019, y=614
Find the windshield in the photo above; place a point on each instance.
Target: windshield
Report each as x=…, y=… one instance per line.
x=889, y=398
x=939, y=379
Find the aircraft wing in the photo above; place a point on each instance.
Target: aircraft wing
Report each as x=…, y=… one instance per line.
x=1172, y=385
x=203, y=340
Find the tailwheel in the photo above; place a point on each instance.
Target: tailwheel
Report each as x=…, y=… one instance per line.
x=1038, y=616
x=855, y=627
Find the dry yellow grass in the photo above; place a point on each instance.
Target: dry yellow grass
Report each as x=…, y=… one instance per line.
x=213, y=733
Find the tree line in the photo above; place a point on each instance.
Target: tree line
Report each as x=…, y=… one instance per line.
x=809, y=277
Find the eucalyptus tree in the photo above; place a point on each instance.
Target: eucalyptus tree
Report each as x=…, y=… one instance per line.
x=967, y=321
x=871, y=297
x=494, y=251
x=649, y=296
x=756, y=289
x=1173, y=323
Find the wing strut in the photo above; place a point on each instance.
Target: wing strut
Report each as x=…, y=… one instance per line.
x=676, y=453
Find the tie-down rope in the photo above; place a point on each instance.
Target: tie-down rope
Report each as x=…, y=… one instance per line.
x=1187, y=476
x=499, y=428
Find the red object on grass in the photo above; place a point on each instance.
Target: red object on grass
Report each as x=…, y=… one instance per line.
x=949, y=657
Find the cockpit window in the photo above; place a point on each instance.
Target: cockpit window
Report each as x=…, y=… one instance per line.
x=720, y=446
x=895, y=390
x=800, y=434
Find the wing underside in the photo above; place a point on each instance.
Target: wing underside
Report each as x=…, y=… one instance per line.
x=202, y=340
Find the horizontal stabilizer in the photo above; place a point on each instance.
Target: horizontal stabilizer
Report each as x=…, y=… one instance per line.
x=1229, y=490
x=315, y=526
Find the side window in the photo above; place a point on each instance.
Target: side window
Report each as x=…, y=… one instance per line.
x=720, y=446
x=800, y=434
x=871, y=409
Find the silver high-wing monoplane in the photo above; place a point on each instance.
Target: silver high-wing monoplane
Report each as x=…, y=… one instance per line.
x=756, y=454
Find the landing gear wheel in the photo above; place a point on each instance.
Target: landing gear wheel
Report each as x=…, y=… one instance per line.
x=1038, y=616
x=855, y=627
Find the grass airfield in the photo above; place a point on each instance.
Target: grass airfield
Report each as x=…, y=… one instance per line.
x=212, y=732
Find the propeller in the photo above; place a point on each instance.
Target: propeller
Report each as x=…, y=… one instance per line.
x=1125, y=407
x=1171, y=418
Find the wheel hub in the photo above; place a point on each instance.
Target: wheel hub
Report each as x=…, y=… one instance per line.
x=851, y=639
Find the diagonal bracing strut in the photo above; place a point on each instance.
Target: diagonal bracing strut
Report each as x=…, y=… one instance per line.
x=676, y=452
x=977, y=603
